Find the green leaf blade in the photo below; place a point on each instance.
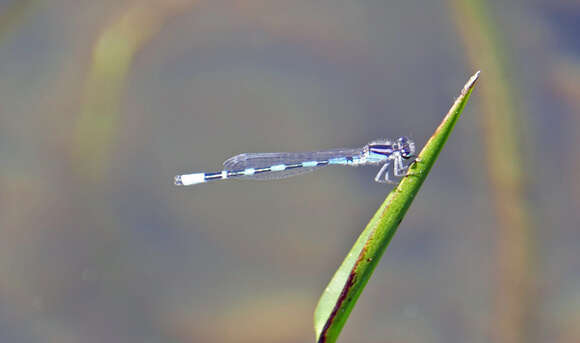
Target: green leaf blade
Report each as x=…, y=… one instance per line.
x=341, y=294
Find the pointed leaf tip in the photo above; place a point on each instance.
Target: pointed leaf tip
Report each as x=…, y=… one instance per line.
x=471, y=82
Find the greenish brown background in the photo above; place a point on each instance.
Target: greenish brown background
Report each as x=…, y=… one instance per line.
x=103, y=102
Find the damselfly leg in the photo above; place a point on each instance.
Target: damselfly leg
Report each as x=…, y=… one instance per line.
x=384, y=170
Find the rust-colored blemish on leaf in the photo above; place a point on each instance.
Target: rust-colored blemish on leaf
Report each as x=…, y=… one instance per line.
x=350, y=281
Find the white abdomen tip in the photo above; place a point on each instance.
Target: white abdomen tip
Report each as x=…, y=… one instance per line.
x=189, y=179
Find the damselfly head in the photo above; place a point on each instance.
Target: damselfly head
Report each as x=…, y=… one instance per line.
x=405, y=146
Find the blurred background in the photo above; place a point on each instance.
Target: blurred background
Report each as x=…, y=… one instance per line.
x=103, y=102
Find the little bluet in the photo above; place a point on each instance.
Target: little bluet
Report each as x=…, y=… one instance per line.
x=279, y=165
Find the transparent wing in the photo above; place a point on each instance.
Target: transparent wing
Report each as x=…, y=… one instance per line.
x=263, y=160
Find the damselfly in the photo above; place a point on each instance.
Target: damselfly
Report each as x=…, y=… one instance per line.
x=279, y=165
